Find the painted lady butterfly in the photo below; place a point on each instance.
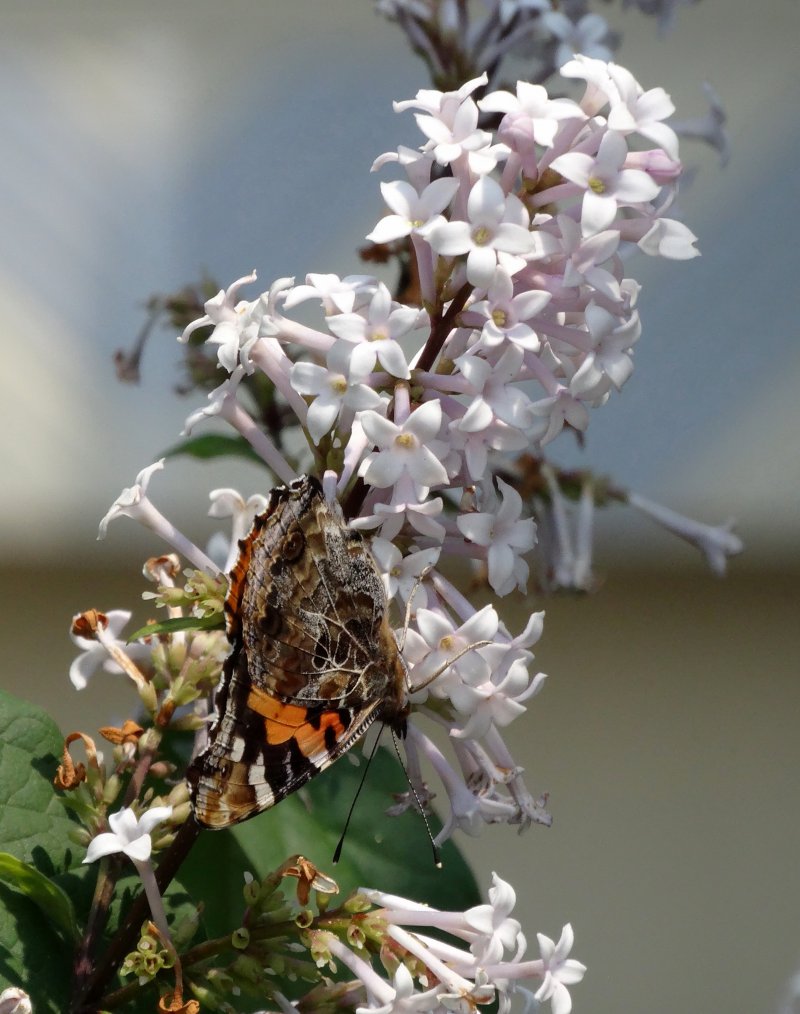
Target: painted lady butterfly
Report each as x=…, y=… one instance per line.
x=313, y=662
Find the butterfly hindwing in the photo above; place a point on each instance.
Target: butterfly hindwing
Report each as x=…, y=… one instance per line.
x=313, y=660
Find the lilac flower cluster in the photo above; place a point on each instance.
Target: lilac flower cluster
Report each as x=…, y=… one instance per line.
x=516, y=213
x=489, y=968
x=527, y=323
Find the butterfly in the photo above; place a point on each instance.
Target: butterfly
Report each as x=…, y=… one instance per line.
x=313, y=659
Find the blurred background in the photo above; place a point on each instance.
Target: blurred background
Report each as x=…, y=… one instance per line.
x=146, y=144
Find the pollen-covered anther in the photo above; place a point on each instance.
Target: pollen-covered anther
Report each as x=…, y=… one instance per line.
x=406, y=440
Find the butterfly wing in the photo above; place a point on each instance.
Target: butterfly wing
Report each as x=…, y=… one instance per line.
x=313, y=664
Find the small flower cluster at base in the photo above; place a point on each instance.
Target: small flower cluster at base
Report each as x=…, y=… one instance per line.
x=485, y=964
x=384, y=941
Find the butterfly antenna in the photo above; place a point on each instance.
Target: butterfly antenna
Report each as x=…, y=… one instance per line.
x=437, y=859
x=338, y=851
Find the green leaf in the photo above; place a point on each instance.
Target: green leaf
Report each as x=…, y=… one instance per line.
x=34, y=829
x=34, y=826
x=32, y=955
x=54, y=904
x=215, y=622
x=215, y=445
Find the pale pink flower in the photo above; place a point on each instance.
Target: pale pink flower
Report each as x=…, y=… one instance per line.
x=407, y=449
x=505, y=535
x=607, y=185
x=497, y=229
x=411, y=211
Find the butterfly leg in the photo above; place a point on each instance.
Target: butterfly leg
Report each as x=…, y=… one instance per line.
x=446, y=665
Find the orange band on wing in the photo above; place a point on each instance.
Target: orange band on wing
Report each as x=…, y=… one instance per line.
x=283, y=722
x=269, y=707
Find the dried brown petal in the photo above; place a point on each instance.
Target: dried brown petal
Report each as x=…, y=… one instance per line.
x=129, y=733
x=69, y=774
x=87, y=623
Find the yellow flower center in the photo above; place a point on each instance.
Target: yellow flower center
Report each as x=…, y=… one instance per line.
x=338, y=384
x=406, y=441
x=378, y=335
x=499, y=317
x=597, y=185
x=481, y=236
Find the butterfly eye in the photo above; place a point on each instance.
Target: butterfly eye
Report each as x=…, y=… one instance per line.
x=293, y=545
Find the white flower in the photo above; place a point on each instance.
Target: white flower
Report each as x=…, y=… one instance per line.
x=376, y=333
x=392, y=516
x=584, y=254
x=641, y=111
x=497, y=230
x=400, y=574
x=218, y=400
x=228, y=503
x=475, y=444
x=506, y=537
x=404, y=998
x=560, y=971
x=600, y=89
x=335, y=388
x=492, y=396
x=132, y=501
x=129, y=834
x=609, y=363
x=531, y=116
x=498, y=933
x=411, y=210
x=507, y=315
x=605, y=181
x=668, y=238
x=409, y=449
x=15, y=1001
x=716, y=543
x=95, y=651
x=338, y=295
x=554, y=411
x=450, y=121
x=237, y=325
x=437, y=641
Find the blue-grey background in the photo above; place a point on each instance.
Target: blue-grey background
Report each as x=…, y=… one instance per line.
x=145, y=143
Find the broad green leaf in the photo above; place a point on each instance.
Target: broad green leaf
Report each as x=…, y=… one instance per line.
x=214, y=874
x=32, y=955
x=34, y=829
x=215, y=445
x=55, y=905
x=34, y=826
x=390, y=853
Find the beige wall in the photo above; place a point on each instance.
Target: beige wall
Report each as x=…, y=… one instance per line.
x=667, y=737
